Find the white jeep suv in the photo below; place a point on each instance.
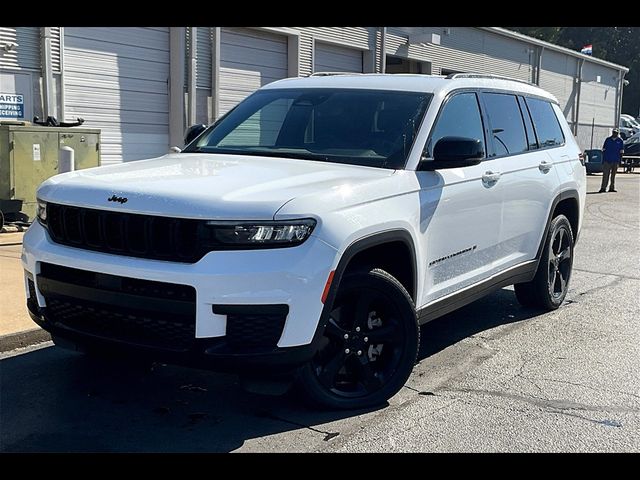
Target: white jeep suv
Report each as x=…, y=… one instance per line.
x=311, y=230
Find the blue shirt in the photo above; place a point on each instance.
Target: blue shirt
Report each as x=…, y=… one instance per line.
x=611, y=150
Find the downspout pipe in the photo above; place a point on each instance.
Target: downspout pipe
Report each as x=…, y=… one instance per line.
x=540, y=52
x=191, y=77
x=48, y=96
x=621, y=75
x=577, y=109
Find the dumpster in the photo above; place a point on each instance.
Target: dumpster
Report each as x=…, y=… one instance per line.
x=29, y=154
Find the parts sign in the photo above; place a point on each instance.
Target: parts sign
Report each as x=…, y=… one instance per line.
x=11, y=105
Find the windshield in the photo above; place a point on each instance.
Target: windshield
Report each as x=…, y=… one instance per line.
x=362, y=127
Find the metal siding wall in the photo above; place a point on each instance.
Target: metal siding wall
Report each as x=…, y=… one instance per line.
x=55, y=49
x=249, y=59
x=116, y=79
x=557, y=76
x=203, y=57
x=306, y=53
x=598, y=100
x=203, y=74
x=27, y=54
x=357, y=37
x=597, y=105
x=8, y=59
x=464, y=49
x=187, y=60
x=202, y=105
x=378, y=50
x=333, y=58
x=505, y=56
x=362, y=38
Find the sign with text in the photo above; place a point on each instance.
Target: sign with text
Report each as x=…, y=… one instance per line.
x=11, y=105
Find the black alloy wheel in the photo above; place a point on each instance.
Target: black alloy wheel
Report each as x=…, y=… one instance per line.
x=560, y=260
x=369, y=345
x=549, y=287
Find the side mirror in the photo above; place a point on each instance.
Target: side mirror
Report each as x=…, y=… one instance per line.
x=193, y=131
x=454, y=152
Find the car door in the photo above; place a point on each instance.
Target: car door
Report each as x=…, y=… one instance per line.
x=528, y=174
x=460, y=207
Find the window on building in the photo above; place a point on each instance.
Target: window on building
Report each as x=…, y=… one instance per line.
x=545, y=122
x=507, y=126
x=460, y=117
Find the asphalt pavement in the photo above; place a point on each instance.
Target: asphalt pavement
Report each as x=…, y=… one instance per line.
x=492, y=377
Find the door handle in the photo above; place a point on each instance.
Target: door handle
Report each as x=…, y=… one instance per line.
x=489, y=178
x=545, y=166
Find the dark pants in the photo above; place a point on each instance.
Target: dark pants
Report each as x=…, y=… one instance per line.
x=609, y=168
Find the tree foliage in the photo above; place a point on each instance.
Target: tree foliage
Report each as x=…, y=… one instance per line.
x=619, y=45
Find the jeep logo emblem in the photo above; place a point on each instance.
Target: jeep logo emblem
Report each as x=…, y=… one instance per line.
x=117, y=199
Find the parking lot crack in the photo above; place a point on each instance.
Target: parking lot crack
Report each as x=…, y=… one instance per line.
x=547, y=404
x=327, y=435
x=589, y=387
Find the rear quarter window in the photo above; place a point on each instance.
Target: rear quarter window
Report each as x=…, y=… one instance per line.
x=545, y=122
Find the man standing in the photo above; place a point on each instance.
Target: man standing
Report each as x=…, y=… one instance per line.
x=612, y=151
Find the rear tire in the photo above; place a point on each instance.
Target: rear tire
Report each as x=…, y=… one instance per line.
x=369, y=345
x=549, y=287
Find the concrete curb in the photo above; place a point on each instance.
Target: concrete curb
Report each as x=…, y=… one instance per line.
x=23, y=339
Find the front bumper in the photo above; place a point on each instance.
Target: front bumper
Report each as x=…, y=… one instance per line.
x=208, y=353
x=294, y=277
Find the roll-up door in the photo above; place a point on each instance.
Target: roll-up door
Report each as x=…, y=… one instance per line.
x=116, y=78
x=22, y=46
x=334, y=58
x=249, y=59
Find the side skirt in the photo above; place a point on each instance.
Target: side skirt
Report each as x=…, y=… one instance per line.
x=518, y=274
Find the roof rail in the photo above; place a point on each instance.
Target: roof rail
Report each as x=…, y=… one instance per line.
x=328, y=74
x=486, y=75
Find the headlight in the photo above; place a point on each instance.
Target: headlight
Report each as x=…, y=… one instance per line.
x=41, y=212
x=260, y=234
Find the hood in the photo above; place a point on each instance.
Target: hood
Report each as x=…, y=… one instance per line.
x=196, y=185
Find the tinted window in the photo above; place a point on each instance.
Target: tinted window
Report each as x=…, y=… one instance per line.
x=460, y=117
x=507, y=127
x=363, y=127
x=531, y=136
x=545, y=122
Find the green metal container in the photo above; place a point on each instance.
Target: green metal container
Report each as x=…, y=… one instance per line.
x=29, y=155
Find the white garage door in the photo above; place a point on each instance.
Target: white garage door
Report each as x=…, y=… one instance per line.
x=116, y=78
x=333, y=58
x=249, y=59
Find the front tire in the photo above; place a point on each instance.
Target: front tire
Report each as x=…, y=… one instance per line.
x=369, y=344
x=549, y=287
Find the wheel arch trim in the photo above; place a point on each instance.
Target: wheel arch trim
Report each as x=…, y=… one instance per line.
x=358, y=246
x=564, y=195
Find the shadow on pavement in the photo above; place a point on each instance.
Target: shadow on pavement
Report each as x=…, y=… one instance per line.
x=499, y=308
x=55, y=400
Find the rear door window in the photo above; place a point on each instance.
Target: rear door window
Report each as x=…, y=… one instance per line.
x=506, y=124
